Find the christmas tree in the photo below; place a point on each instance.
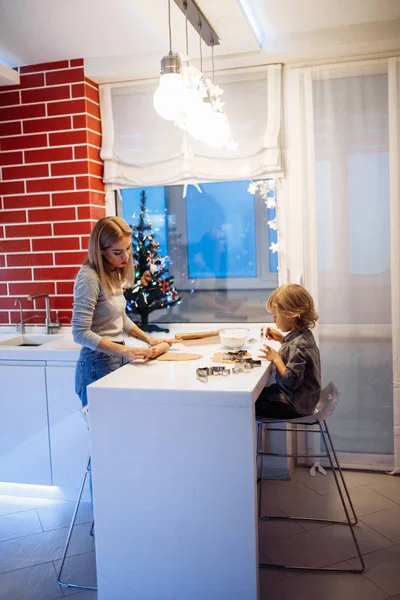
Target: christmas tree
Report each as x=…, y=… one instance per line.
x=154, y=287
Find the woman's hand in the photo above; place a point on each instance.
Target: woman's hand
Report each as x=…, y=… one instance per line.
x=273, y=334
x=159, y=349
x=153, y=341
x=269, y=353
x=140, y=353
x=146, y=353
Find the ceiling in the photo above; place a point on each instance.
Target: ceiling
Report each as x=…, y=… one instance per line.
x=125, y=39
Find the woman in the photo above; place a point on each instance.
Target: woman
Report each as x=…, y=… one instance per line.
x=99, y=318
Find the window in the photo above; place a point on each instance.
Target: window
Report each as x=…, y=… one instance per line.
x=218, y=240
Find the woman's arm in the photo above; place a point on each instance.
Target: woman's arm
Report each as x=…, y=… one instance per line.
x=130, y=353
x=133, y=330
x=86, y=294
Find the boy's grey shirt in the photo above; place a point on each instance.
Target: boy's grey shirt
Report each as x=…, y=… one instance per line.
x=301, y=382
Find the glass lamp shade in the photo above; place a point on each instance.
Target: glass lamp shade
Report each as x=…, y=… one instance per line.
x=168, y=97
x=192, y=101
x=197, y=121
x=217, y=132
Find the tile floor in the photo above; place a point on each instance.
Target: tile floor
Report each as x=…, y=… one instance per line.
x=33, y=532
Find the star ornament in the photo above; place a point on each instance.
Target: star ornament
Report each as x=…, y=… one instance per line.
x=274, y=247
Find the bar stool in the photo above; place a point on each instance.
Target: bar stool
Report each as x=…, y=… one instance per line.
x=64, y=584
x=325, y=407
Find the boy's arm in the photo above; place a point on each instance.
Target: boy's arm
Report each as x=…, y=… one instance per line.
x=279, y=365
x=273, y=356
x=295, y=368
x=271, y=333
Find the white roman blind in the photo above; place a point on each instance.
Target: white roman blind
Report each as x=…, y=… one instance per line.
x=140, y=148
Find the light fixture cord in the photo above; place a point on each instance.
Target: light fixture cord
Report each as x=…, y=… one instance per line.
x=186, y=28
x=169, y=26
x=201, y=51
x=212, y=60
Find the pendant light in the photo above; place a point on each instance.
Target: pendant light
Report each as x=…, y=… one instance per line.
x=188, y=98
x=168, y=96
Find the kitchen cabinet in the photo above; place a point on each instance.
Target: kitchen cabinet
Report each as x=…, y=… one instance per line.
x=69, y=440
x=24, y=434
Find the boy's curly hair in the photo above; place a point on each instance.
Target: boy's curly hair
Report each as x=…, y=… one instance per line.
x=294, y=302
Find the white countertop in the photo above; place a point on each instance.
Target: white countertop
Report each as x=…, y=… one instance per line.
x=160, y=376
x=61, y=347
x=57, y=347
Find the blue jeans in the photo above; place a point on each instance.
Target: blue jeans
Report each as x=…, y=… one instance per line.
x=93, y=365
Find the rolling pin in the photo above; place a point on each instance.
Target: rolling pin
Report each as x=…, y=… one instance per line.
x=197, y=336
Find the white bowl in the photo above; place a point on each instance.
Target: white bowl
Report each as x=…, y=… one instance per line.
x=233, y=338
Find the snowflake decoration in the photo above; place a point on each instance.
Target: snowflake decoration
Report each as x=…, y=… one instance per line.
x=274, y=247
x=270, y=202
x=252, y=189
x=218, y=104
x=207, y=91
x=263, y=187
x=272, y=224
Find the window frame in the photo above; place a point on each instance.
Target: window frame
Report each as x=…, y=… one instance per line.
x=176, y=206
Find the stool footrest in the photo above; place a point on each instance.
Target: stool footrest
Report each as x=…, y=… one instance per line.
x=310, y=519
x=299, y=568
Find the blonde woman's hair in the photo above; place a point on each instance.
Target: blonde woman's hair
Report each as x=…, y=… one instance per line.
x=107, y=231
x=294, y=302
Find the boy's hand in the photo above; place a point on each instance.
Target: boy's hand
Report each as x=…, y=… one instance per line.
x=269, y=353
x=273, y=334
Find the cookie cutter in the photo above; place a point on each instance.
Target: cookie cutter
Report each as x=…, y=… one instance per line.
x=246, y=365
x=203, y=373
x=238, y=355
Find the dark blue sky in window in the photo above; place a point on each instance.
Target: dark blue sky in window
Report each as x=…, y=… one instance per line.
x=221, y=234
x=220, y=227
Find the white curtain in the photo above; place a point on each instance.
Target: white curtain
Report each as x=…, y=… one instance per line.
x=140, y=148
x=394, y=145
x=339, y=236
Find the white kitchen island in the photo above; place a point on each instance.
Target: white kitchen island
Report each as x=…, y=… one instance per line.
x=174, y=480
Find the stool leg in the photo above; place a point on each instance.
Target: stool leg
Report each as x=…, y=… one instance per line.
x=259, y=479
x=341, y=474
x=349, y=521
x=71, y=527
x=258, y=450
x=324, y=433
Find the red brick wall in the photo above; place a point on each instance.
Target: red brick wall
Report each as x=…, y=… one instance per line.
x=51, y=190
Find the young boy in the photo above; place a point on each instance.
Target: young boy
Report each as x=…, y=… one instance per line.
x=297, y=364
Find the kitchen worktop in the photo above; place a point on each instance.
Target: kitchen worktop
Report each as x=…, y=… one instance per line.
x=61, y=347
x=174, y=478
